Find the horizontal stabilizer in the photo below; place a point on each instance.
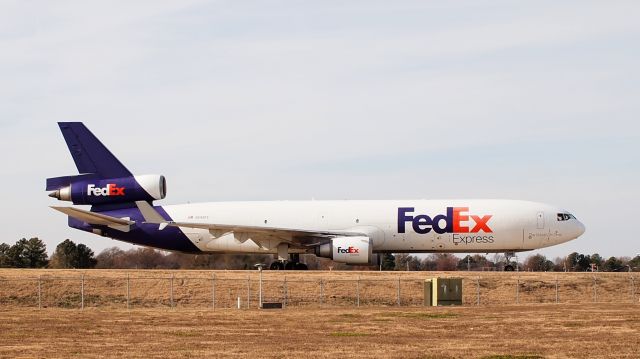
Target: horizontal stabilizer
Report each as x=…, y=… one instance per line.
x=120, y=224
x=149, y=213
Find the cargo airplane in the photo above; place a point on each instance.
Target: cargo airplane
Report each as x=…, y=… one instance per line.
x=352, y=232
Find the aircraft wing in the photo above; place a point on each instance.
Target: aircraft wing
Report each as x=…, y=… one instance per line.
x=121, y=224
x=264, y=230
x=298, y=236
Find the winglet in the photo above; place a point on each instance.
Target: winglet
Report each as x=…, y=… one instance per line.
x=151, y=215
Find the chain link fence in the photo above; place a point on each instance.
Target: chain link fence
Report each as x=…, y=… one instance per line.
x=242, y=289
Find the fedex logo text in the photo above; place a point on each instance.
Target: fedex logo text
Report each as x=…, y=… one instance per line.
x=110, y=190
x=455, y=221
x=350, y=250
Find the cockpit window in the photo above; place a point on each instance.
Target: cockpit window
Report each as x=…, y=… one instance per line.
x=565, y=216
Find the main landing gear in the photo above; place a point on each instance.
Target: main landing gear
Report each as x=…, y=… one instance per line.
x=287, y=265
x=281, y=263
x=292, y=264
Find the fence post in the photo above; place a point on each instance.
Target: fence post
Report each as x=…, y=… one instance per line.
x=321, y=291
x=358, y=292
x=398, y=292
x=128, y=292
x=213, y=291
x=171, y=289
x=248, y=291
x=260, y=288
x=557, y=294
x=284, y=290
x=40, y=292
x=82, y=291
x=477, y=290
x=518, y=290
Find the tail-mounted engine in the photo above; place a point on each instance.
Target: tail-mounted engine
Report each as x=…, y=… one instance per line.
x=86, y=189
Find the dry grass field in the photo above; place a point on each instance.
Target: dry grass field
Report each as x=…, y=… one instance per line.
x=505, y=331
x=321, y=318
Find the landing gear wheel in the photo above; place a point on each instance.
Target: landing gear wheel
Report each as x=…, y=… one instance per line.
x=508, y=268
x=301, y=266
x=289, y=266
x=277, y=265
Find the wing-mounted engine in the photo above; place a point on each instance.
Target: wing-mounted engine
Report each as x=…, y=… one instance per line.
x=89, y=189
x=349, y=250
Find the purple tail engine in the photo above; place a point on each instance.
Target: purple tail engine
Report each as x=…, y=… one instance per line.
x=112, y=190
x=92, y=190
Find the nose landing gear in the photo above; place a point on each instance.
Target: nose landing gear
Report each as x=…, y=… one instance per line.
x=508, y=267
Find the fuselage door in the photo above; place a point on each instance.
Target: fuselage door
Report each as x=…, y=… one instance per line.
x=540, y=218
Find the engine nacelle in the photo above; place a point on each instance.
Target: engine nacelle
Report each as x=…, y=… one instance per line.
x=349, y=250
x=114, y=190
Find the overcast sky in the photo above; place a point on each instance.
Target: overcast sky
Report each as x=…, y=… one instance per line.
x=273, y=100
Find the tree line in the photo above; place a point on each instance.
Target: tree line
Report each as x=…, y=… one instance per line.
x=574, y=262
x=32, y=253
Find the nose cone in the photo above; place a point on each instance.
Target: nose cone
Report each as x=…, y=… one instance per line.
x=579, y=229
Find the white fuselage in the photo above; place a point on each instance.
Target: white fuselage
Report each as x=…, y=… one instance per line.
x=481, y=226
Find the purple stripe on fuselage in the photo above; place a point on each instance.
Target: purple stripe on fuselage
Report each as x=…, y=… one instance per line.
x=170, y=238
